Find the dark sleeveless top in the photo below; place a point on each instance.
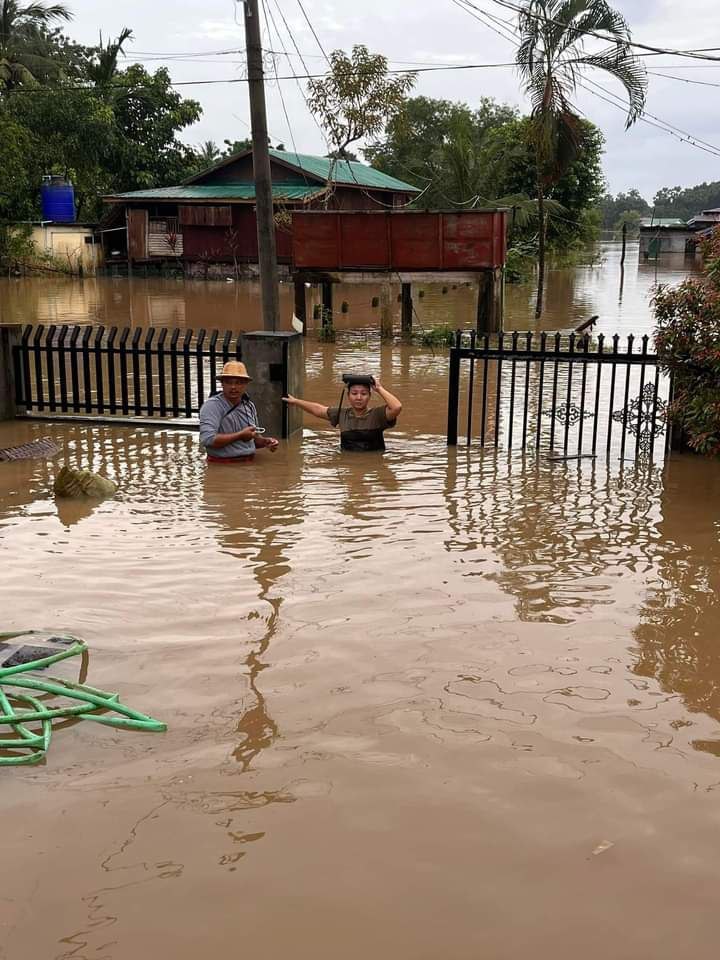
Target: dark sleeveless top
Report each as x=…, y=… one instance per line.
x=361, y=434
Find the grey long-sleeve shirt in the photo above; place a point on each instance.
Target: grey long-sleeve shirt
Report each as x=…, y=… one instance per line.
x=217, y=415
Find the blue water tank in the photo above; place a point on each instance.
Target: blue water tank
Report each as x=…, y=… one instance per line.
x=57, y=200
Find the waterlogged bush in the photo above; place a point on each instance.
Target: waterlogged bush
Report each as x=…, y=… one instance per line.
x=442, y=336
x=520, y=262
x=687, y=340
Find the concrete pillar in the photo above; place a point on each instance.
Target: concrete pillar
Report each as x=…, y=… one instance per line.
x=406, y=323
x=275, y=362
x=300, y=303
x=9, y=337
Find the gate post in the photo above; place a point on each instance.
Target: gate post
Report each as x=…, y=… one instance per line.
x=9, y=338
x=453, y=393
x=275, y=362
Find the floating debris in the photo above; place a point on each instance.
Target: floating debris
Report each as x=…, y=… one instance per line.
x=602, y=847
x=71, y=482
x=43, y=449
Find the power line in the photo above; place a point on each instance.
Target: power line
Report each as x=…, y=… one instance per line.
x=312, y=29
x=267, y=11
x=646, y=117
x=702, y=83
x=88, y=88
x=606, y=38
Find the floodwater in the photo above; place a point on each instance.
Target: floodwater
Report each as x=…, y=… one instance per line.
x=435, y=704
x=573, y=295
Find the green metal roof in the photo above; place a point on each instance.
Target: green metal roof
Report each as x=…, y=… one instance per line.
x=343, y=171
x=220, y=191
x=662, y=222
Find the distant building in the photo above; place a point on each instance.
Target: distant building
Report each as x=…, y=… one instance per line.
x=208, y=222
x=660, y=236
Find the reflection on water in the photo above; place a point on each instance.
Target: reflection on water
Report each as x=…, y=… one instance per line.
x=572, y=294
x=385, y=678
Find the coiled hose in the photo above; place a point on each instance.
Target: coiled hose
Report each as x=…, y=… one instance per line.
x=26, y=745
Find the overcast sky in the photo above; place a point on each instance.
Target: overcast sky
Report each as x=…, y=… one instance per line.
x=424, y=32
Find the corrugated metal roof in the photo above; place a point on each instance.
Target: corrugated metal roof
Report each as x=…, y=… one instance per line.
x=220, y=191
x=343, y=171
x=662, y=222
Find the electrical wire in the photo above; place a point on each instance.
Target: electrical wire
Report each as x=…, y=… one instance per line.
x=312, y=30
x=267, y=11
x=647, y=118
x=607, y=38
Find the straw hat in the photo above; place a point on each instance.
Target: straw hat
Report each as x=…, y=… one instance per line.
x=235, y=369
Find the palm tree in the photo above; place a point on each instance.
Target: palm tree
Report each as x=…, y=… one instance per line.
x=21, y=31
x=208, y=154
x=552, y=58
x=103, y=69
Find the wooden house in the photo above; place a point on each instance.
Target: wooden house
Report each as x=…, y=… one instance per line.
x=208, y=222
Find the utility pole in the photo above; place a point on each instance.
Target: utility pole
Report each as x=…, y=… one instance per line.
x=267, y=258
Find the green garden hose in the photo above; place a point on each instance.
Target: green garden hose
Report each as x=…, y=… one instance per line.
x=30, y=722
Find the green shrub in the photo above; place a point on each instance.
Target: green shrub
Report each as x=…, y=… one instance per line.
x=442, y=336
x=520, y=263
x=687, y=340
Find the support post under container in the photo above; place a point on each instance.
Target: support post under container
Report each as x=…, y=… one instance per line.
x=386, y=320
x=491, y=301
x=406, y=322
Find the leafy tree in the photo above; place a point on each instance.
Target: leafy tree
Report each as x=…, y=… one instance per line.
x=551, y=58
x=357, y=98
x=509, y=160
x=145, y=151
x=104, y=143
x=613, y=207
x=435, y=145
x=631, y=220
x=686, y=203
x=23, y=47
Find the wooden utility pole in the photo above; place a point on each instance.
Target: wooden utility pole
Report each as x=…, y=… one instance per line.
x=624, y=242
x=267, y=258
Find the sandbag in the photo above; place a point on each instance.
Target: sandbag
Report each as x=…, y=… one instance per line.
x=71, y=482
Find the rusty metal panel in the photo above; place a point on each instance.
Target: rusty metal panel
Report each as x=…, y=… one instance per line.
x=137, y=226
x=315, y=241
x=364, y=241
x=394, y=240
x=468, y=240
x=416, y=241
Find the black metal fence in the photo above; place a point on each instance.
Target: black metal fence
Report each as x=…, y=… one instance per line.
x=572, y=394
x=142, y=372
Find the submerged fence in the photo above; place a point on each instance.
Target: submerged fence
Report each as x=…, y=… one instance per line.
x=564, y=393
x=152, y=372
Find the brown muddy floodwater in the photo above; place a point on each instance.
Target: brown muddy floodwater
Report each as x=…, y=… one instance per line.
x=435, y=704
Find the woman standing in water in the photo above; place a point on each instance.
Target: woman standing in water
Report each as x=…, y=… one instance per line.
x=361, y=426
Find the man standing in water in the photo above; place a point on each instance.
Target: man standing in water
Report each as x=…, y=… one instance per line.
x=229, y=429
x=361, y=426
